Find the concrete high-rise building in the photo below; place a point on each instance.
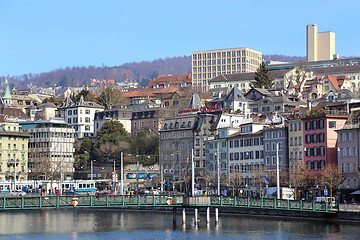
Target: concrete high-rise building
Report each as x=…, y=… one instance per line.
x=319, y=46
x=209, y=64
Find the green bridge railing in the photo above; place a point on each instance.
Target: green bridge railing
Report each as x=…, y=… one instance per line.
x=43, y=202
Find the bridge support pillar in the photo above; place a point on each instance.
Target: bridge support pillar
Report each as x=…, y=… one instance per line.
x=174, y=215
x=207, y=215
x=216, y=215
x=183, y=216
x=196, y=216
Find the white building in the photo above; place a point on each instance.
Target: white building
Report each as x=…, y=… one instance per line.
x=80, y=116
x=51, y=149
x=245, y=153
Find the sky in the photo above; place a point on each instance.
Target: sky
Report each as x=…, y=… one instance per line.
x=42, y=35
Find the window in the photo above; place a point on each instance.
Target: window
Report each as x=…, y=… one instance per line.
x=308, y=138
x=69, y=112
x=307, y=126
x=321, y=123
x=314, y=125
x=300, y=125
x=69, y=120
x=87, y=119
x=332, y=124
x=314, y=138
x=87, y=111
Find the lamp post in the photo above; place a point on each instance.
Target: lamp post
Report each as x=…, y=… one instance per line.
x=92, y=169
x=15, y=149
x=277, y=171
x=122, y=173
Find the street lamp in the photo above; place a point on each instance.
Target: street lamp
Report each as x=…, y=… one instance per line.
x=92, y=169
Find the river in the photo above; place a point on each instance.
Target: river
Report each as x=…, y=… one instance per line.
x=120, y=224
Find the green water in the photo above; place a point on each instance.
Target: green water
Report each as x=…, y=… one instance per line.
x=120, y=224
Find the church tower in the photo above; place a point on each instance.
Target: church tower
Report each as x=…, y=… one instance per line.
x=7, y=99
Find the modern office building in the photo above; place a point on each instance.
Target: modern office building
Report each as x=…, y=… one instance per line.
x=319, y=46
x=207, y=65
x=51, y=149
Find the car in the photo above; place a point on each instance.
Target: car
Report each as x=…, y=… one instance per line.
x=17, y=193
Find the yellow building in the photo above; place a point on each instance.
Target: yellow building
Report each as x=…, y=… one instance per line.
x=13, y=150
x=320, y=46
x=207, y=65
x=295, y=143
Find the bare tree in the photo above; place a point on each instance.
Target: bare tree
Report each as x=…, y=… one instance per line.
x=235, y=181
x=332, y=177
x=111, y=97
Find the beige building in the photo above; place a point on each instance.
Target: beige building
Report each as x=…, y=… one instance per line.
x=13, y=150
x=209, y=64
x=295, y=142
x=320, y=46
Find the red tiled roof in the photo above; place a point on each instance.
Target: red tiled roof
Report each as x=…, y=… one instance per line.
x=333, y=81
x=171, y=79
x=149, y=93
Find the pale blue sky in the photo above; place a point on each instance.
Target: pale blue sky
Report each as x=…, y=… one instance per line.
x=38, y=36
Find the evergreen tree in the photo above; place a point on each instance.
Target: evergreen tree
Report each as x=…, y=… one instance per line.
x=263, y=77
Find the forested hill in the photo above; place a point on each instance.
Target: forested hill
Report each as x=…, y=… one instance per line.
x=78, y=76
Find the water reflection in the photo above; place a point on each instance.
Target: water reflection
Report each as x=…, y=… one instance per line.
x=110, y=224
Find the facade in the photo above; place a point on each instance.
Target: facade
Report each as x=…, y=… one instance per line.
x=275, y=135
x=51, y=149
x=80, y=116
x=175, y=147
x=217, y=145
x=320, y=140
x=295, y=143
x=121, y=115
x=245, y=152
x=149, y=120
x=320, y=46
x=207, y=65
x=13, y=151
x=279, y=104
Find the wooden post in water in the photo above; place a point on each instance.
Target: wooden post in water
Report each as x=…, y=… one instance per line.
x=216, y=216
x=207, y=215
x=196, y=216
x=183, y=216
x=174, y=215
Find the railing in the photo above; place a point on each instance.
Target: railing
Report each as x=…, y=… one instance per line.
x=270, y=203
x=88, y=201
x=157, y=201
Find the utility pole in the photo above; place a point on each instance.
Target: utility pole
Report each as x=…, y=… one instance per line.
x=277, y=171
x=192, y=173
x=218, y=168
x=15, y=149
x=114, y=178
x=122, y=173
x=92, y=170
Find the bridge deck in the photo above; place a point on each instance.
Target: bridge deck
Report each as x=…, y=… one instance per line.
x=158, y=201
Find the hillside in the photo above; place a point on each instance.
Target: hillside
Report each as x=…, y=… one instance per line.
x=78, y=76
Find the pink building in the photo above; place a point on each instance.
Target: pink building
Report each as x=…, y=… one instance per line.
x=320, y=140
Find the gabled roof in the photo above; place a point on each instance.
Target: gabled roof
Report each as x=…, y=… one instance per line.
x=235, y=95
x=149, y=93
x=333, y=81
x=171, y=79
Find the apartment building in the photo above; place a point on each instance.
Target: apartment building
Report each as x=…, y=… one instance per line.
x=295, y=143
x=13, y=151
x=207, y=65
x=320, y=140
x=80, y=116
x=245, y=152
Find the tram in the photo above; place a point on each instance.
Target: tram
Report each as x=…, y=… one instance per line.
x=34, y=186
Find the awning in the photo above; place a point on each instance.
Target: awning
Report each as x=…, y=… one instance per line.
x=356, y=192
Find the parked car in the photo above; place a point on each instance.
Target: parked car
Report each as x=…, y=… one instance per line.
x=17, y=193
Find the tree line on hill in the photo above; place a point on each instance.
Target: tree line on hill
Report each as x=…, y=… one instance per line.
x=141, y=72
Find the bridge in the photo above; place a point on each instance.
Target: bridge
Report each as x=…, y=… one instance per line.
x=120, y=201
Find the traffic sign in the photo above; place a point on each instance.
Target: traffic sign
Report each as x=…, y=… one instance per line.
x=325, y=191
